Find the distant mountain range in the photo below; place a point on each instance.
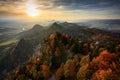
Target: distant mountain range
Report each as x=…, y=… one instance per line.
x=112, y=25
x=9, y=28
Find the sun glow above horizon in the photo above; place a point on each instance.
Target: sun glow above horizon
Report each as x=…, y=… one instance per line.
x=31, y=9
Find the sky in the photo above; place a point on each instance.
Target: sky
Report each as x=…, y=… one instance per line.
x=60, y=9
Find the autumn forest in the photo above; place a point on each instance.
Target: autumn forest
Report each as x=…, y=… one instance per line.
x=63, y=57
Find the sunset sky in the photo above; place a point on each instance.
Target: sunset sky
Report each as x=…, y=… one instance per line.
x=60, y=9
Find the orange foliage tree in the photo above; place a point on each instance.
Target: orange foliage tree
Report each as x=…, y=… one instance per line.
x=45, y=71
x=59, y=72
x=103, y=61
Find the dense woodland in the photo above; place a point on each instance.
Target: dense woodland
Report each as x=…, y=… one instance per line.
x=63, y=57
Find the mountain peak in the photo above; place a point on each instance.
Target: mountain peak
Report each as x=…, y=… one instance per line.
x=37, y=26
x=56, y=26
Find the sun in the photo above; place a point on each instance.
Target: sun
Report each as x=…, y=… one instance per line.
x=31, y=10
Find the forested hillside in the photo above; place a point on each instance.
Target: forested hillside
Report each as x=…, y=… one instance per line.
x=63, y=57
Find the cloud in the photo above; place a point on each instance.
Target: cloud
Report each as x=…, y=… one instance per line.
x=8, y=13
x=63, y=7
x=88, y=4
x=100, y=7
x=68, y=4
